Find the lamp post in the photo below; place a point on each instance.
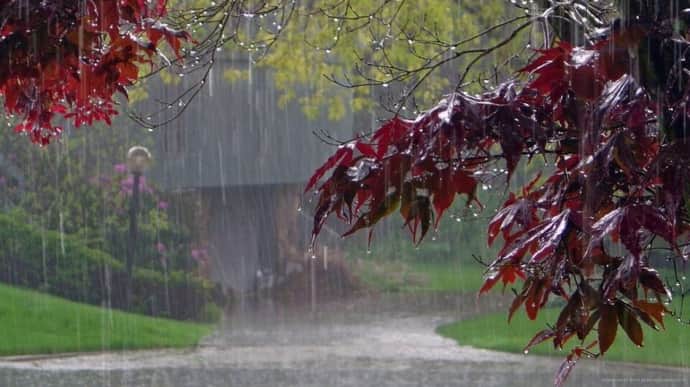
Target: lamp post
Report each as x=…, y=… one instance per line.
x=138, y=160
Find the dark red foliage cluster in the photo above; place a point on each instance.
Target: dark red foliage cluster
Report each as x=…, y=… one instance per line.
x=581, y=234
x=69, y=58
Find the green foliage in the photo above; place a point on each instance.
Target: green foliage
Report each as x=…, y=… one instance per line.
x=36, y=323
x=79, y=186
x=336, y=39
x=62, y=265
x=419, y=276
x=211, y=313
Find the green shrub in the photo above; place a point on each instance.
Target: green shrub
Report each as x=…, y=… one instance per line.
x=211, y=313
x=62, y=265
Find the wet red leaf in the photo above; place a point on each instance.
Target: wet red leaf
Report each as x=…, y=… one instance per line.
x=629, y=323
x=88, y=53
x=583, y=231
x=656, y=310
x=608, y=325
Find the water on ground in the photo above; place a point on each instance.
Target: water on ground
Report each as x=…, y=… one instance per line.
x=384, y=341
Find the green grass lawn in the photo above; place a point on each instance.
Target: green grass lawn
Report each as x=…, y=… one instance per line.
x=492, y=331
x=33, y=323
x=420, y=276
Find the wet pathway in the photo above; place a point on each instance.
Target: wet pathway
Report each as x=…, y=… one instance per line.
x=375, y=342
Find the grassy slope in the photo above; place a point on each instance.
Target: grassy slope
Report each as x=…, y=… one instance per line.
x=420, y=276
x=670, y=347
x=33, y=322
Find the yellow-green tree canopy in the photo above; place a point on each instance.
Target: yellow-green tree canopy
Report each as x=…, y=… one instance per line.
x=399, y=55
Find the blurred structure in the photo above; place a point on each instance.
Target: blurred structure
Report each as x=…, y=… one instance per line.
x=237, y=163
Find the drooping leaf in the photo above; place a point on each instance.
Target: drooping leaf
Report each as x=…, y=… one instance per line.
x=490, y=281
x=564, y=370
x=569, y=363
x=342, y=156
x=540, y=337
x=649, y=278
x=608, y=324
x=587, y=328
x=629, y=323
x=656, y=310
x=515, y=213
